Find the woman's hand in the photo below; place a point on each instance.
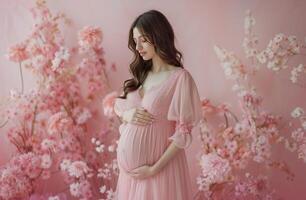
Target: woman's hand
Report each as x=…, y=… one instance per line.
x=142, y=172
x=138, y=116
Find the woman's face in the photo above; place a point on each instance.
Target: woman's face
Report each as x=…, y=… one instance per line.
x=143, y=46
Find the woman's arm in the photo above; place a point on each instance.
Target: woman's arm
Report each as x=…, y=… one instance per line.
x=170, y=152
x=147, y=171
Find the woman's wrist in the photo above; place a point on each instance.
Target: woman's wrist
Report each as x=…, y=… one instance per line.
x=123, y=118
x=154, y=169
x=170, y=152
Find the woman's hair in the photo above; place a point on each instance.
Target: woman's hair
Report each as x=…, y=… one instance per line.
x=158, y=31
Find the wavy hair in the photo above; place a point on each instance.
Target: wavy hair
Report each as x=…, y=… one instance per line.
x=158, y=31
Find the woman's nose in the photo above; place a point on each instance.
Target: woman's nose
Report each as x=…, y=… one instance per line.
x=138, y=46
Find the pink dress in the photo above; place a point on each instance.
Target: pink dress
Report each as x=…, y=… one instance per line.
x=176, y=105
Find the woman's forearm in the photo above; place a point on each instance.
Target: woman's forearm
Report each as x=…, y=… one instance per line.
x=170, y=152
x=119, y=115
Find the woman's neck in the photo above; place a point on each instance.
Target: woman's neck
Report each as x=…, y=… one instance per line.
x=159, y=65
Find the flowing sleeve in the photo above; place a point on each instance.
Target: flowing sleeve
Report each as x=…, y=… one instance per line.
x=122, y=105
x=185, y=109
x=119, y=107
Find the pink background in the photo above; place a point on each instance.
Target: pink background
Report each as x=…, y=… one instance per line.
x=198, y=24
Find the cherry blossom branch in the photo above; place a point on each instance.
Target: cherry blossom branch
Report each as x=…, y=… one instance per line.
x=21, y=78
x=34, y=119
x=4, y=123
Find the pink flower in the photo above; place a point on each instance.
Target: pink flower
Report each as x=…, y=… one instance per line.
x=48, y=51
x=58, y=123
x=183, y=127
x=298, y=134
x=15, y=181
x=18, y=53
x=46, y=161
x=261, y=148
x=233, y=68
x=47, y=144
x=86, y=190
x=207, y=106
x=78, y=168
x=240, y=127
x=223, y=108
x=108, y=104
x=81, y=115
x=90, y=37
x=65, y=163
x=214, y=168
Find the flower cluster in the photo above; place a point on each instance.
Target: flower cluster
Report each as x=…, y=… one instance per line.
x=51, y=125
x=215, y=169
x=183, y=127
x=277, y=53
x=18, y=177
x=233, y=143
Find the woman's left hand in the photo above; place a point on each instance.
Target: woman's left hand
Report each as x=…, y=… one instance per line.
x=142, y=172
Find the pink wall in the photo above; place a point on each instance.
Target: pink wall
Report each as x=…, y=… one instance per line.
x=198, y=24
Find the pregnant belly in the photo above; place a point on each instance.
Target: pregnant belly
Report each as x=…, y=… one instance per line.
x=140, y=145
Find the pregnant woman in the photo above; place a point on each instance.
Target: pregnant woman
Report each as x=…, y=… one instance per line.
x=159, y=107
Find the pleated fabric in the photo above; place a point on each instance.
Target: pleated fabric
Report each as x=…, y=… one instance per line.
x=176, y=105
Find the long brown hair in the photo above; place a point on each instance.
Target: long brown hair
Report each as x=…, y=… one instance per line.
x=155, y=26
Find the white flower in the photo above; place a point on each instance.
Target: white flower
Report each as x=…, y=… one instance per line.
x=75, y=189
x=77, y=169
x=298, y=134
x=46, y=161
x=297, y=112
x=231, y=146
x=214, y=168
x=111, y=148
x=293, y=79
x=98, y=142
x=279, y=37
x=295, y=49
x=236, y=87
x=65, y=164
x=227, y=69
x=249, y=21
x=239, y=128
x=290, y=146
x=110, y=194
x=262, y=139
x=47, y=144
x=55, y=63
x=261, y=57
x=300, y=67
x=100, y=148
x=83, y=116
x=221, y=54
x=61, y=55
x=103, y=189
x=304, y=125
x=14, y=94
x=93, y=140
x=295, y=72
x=292, y=38
x=54, y=198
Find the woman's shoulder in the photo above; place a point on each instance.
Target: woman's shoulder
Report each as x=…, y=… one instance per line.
x=184, y=73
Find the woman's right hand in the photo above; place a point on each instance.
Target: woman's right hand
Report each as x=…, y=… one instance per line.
x=138, y=116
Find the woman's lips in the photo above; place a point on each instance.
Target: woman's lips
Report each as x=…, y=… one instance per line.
x=142, y=53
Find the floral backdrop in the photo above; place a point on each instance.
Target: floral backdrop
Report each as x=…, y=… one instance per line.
x=50, y=125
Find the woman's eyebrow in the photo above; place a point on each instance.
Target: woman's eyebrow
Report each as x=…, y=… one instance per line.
x=139, y=36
